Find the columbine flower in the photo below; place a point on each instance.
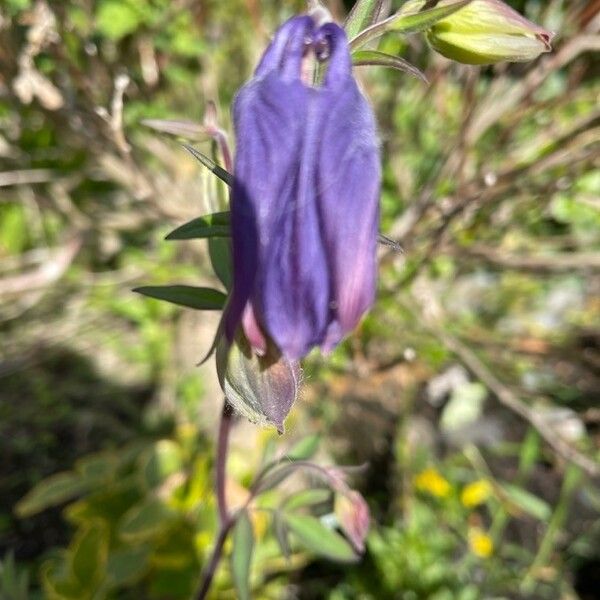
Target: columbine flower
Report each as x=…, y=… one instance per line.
x=305, y=196
x=488, y=31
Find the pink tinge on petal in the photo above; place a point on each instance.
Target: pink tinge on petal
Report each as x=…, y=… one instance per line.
x=353, y=515
x=253, y=332
x=332, y=338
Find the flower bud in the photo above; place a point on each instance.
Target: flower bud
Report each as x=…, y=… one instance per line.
x=488, y=31
x=353, y=516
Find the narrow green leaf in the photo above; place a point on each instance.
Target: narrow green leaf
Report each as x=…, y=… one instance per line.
x=365, y=58
x=211, y=165
x=529, y=452
x=307, y=498
x=160, y=461
x=146, y=520
x=219, y=250
x=207, y=226
x=97, y=468
x=413, y=22
x=281, y=534
x=305, y=448
x=408, y=22
x=51, y=491
x=241, y=557
x=527, y=502
x=363, y=14
x=276, y=476
x=320, y=540
x=199, y=298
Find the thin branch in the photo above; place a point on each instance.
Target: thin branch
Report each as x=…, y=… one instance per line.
x=221, y=466
x=226, y=521
x=26, y=177
x=511, y=401
x=548, y=264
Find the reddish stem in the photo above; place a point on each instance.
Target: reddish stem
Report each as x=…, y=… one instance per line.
x=226, y=521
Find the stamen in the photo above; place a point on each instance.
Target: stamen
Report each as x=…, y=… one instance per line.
x=322, y=50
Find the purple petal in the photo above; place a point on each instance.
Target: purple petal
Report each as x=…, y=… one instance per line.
x=285, y=38
x=305, y=197
x=268, y=114
x=349, y=181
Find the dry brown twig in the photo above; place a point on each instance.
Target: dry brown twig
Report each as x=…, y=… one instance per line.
x=26, y=177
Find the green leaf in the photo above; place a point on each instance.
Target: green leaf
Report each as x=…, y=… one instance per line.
x=241, y=556
x=407, y=20
x=115, y=19
x=89, y=554
x=108, y=504
x=365, y=58
x=162, y=460
x=529, y=452
x=51, y=491
x=127, y=565
x=199, y=298
x=281, y=533
x=320, y=540
x=219, y=250
x=57, y=585
x=279, y=469
x=413, y=21
x=98, y=467
x=211, y=165
x=207, y=226
x=14, y=579
x=363, y=14
x=522, y=499
x=276, y=476
x=146, y=520
x=307, y=498
x=305, y=448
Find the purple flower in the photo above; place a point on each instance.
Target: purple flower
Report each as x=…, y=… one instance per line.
x=305, y=202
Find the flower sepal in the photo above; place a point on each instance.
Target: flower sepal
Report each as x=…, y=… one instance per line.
x=261, y=388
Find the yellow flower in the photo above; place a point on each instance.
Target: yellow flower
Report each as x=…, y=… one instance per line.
x=476, y=493
x=480, y=543
x=433, y=483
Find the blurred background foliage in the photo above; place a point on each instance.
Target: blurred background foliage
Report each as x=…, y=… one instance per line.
x=470, y=392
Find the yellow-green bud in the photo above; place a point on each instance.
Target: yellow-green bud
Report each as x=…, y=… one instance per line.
x=488, y=31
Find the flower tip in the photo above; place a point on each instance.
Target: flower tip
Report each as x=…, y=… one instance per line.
x=546, y=38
